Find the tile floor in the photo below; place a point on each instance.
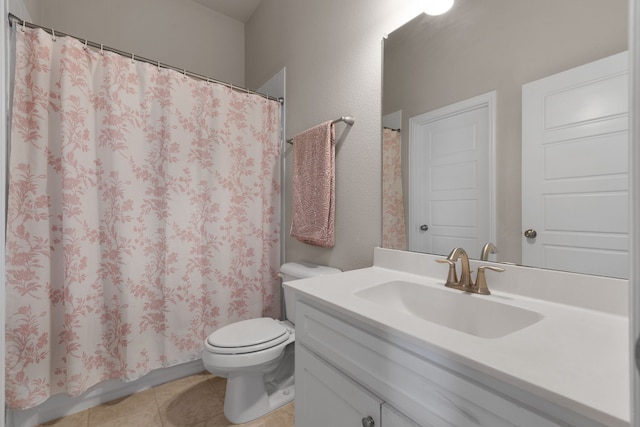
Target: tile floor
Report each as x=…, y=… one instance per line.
x=194, y=401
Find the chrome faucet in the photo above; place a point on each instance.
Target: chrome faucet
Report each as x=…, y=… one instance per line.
x=488, y=248
x=466, y=283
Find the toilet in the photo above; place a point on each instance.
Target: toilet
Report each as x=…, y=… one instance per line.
x=257, y=355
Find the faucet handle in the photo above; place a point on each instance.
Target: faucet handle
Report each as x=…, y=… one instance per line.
x=481, y=280
x=452, y=277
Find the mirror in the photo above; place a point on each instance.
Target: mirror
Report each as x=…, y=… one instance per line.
x=477, y=49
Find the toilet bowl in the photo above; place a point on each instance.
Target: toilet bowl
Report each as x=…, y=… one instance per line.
x=257, y=356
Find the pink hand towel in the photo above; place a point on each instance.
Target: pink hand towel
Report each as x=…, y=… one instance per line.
x=314, y=186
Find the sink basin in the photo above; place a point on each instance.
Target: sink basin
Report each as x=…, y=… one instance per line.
x=471, y=314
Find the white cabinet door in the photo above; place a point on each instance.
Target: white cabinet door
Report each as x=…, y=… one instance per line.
x=326, y=398
x=574, y=169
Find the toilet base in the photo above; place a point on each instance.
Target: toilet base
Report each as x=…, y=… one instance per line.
x=247, y=398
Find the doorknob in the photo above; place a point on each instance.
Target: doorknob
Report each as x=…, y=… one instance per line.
x=530, y=234
x=424, y=227
x=368, y=422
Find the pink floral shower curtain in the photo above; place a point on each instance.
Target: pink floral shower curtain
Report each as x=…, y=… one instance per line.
x=394, y=234
x=143, y=214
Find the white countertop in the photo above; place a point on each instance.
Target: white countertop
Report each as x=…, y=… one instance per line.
x=575, y=357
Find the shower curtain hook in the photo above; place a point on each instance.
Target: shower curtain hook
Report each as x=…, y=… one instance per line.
x=85, y=44
x=184, y=73
x=24, y=25
x=53, y=35
x=133, y=58
x=101, y=49
x=158, y=65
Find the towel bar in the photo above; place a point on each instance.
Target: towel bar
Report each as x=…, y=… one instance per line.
x=347, y=119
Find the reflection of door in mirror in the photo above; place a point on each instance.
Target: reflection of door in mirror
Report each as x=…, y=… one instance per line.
x=574, y=169
x=451, y=177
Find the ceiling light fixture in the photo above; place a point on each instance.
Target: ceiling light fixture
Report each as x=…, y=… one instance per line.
x=437, y=7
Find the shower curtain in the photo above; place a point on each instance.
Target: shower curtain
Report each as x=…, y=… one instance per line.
x=143, y=213
x=393, y=223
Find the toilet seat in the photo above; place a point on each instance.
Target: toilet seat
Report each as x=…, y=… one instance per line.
x=248, y=336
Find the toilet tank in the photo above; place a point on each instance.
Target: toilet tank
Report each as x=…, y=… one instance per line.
x=300, y=270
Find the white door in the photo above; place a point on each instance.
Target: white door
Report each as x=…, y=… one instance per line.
x=574, y=169
x=452, y=177
x=325, y=397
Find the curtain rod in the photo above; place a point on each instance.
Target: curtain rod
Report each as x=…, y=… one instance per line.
x=13, y=19
x=347, y=119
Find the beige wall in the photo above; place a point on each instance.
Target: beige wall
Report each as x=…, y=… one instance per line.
x=432, y=63
x=32, y=8
x=180, y=33
x=332, y=52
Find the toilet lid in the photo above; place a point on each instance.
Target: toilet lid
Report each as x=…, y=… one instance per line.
x=248, y=336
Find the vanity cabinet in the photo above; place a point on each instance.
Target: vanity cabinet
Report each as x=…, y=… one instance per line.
x=347, y=371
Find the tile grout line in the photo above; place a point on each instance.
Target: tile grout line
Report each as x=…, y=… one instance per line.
x=155, y=399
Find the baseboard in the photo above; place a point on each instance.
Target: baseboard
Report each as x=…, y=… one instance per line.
x=61, y=405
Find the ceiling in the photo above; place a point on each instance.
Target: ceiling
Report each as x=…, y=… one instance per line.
x=240, y=10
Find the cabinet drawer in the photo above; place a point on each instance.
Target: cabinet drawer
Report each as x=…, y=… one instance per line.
x=417, y=387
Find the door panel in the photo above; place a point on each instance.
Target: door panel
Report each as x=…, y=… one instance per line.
x=574, y=169
x=452, y=177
